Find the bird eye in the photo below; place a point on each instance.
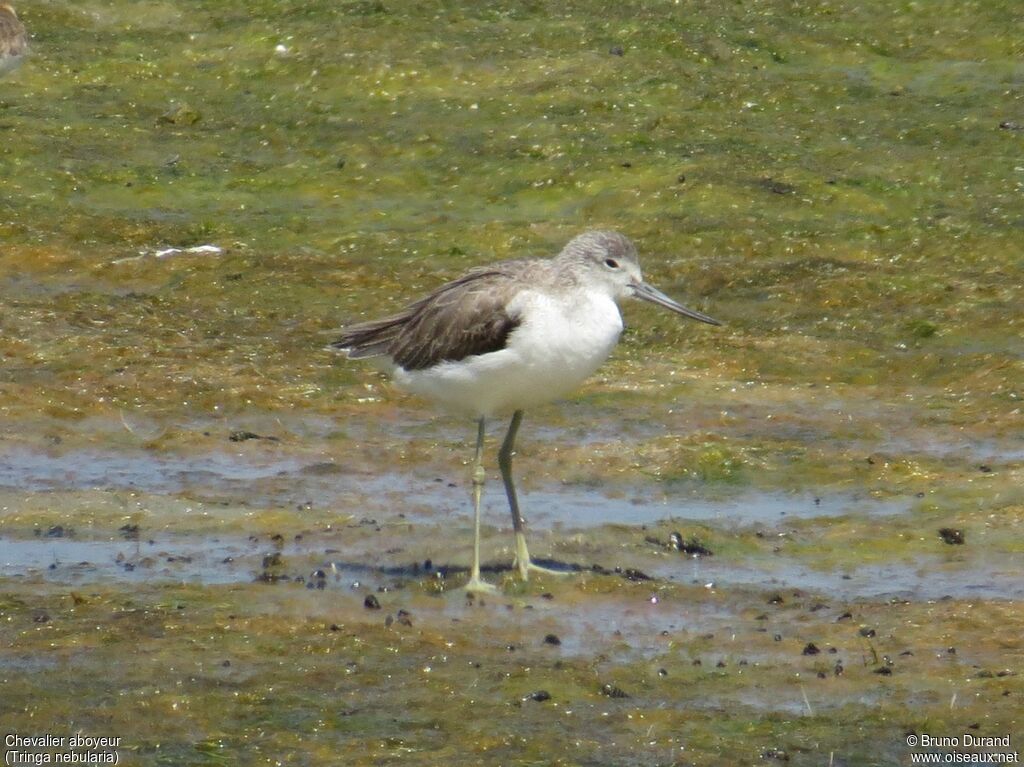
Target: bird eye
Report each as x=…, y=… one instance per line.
x=611, y=263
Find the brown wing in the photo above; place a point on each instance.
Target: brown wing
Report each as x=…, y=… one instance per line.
x=463, y=318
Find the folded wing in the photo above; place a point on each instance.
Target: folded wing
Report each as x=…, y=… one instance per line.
x=466, y=317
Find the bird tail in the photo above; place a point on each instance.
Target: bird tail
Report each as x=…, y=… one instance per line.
x=369, y=339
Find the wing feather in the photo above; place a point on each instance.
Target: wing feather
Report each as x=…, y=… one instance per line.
x=466, y=317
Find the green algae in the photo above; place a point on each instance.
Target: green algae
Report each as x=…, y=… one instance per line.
x=839, y=182
x=257, y=673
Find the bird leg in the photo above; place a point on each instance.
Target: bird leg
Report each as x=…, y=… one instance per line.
x=476, y=584
x=522, y=560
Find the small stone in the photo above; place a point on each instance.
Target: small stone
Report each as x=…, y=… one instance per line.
x=632, y=574
x=241, y=435
x=181, y=114
x=952, y=536
x=371, y=602
x=691, y=546
x=776, y=187
x=811, y=649
x=272, y=560
x=552, y=639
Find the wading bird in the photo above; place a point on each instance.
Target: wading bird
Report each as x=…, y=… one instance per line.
x=509, y=336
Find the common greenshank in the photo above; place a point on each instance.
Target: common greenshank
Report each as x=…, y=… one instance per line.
x=506, y=337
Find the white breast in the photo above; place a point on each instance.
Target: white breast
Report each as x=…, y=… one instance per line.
x=558, y=345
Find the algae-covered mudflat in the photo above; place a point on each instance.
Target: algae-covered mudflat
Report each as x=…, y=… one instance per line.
x=219, y=544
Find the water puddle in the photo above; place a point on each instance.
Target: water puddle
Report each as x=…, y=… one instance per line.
x=235, y=559
x=968, y=450
x=273, y=478
x=183, y=560
x=159, y=473
x=924, y=578
x=587, y=508
x=363, y=542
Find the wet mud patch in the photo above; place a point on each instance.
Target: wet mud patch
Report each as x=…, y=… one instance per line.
x=633, y=669
x=280, y=475
x=78, y=515
x=282, y=601
x=863, y=397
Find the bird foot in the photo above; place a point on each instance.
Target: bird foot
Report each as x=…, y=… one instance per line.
x=476, y=585
x=524, y=572
x=524, y=564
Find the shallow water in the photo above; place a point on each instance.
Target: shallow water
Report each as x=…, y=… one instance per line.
x=838, y=183
x=277, y=478
x=221, y=560
x=925, y=578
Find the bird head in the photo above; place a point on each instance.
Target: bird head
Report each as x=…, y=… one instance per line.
x=614, y=266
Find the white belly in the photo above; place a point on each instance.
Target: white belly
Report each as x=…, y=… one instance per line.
x=556, y=348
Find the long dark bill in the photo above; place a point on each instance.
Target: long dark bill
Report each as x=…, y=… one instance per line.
x=655, y=296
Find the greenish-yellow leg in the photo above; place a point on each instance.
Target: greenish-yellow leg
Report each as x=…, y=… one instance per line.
x=476, y=583
x=522, y=561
